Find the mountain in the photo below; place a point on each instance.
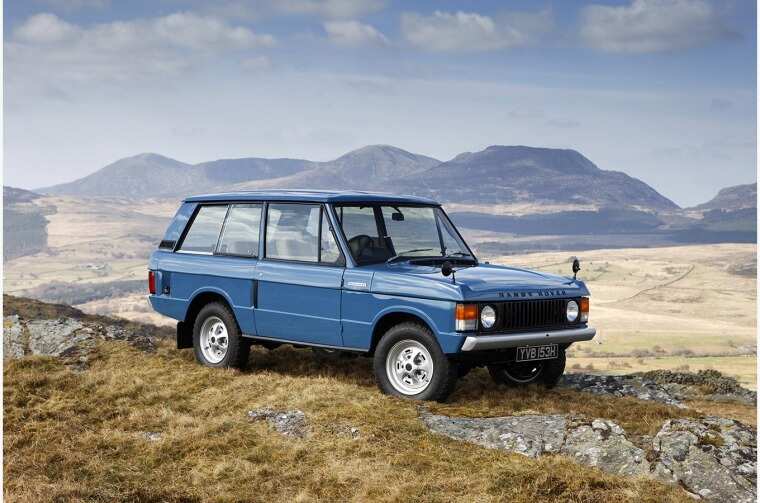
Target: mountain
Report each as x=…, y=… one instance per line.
x=498, y=174
x=515, y=174
x=738, y=197
x=374, y=167
x=149, y=175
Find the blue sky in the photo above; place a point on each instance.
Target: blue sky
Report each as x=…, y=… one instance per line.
x=664, y=90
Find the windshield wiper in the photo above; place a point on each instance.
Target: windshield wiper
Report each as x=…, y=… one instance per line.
x=403, y=255
x=458, y=254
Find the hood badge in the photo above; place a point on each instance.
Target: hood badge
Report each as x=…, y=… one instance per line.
x=536, y=293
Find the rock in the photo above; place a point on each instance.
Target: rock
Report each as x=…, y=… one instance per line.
x=711, y=384
x=56, y=337
x=713, y=457
x=152, y=436
x=604, y=445
x=14, y=337
x=626, y=385
x=290, y=423
x=68, y=338
x=530, y=435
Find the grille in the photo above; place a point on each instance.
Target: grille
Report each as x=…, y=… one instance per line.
x=530, y=314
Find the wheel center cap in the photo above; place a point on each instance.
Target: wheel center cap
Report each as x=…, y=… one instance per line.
x=408, y=366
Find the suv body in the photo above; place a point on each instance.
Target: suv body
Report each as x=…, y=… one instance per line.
x=379, y=275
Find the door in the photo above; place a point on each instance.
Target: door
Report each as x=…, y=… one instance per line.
x=300, y=276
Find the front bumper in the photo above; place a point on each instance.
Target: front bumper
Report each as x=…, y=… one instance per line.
x=500, y=341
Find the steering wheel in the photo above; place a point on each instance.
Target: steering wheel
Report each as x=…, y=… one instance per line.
x=359, y=243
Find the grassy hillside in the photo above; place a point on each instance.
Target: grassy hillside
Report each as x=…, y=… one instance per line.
x=82, y=436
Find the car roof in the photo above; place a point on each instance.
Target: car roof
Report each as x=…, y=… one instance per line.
x=321, y=196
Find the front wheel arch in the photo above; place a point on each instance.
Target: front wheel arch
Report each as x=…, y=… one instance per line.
x=390, y=319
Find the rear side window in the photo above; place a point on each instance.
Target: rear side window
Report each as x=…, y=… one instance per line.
x=204, y=230
x=240, y=235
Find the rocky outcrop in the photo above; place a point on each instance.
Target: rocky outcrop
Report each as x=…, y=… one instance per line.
x=712, y=458
x=663, y=386
x=715, y=458
x=69, y=338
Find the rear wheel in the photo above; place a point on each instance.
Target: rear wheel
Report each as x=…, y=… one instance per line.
x=546, y=372
x=409, y=363
x=217, y=341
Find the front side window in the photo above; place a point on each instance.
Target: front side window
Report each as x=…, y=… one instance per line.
x=204, y=230
x=382, y=233
x=240, y=235
x=293, y=234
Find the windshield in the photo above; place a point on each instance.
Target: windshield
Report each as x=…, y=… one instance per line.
x=383, y=233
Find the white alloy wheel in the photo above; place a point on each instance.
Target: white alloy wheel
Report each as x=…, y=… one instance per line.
x=409, y=367
x=214, y=339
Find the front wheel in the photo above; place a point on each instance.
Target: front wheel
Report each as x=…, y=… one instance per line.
x=409, y=363
x=546, y=372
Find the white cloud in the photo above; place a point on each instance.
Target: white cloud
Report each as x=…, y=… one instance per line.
x=353, y=34
x=464, y=31
x=46, y=45
x=330, y=8
x=651, y=26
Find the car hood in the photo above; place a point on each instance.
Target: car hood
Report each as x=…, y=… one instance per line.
x=480, y=282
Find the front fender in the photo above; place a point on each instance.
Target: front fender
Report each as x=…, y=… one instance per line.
x=437, y=314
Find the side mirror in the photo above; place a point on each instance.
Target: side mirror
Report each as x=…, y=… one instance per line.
x=447, y=268
x=397, y=216
x=576, y=267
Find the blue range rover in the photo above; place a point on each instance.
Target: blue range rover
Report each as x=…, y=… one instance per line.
x=380, y=275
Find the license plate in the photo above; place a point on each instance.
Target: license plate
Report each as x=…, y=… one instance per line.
x=529, y=353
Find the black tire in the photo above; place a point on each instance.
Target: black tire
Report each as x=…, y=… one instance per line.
x=548, y=372
x=238, y=348
x=445, y=371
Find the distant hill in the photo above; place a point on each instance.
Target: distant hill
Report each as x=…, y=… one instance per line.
x=498, y=174
x=734, y=198
x=374, y=167
x=150, y=175
x=538, y=175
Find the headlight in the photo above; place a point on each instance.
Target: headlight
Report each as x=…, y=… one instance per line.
x=487, y=317
x=572, y=311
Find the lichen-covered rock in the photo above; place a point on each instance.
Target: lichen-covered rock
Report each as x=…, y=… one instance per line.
x=14, y=337
x=663, y=386
x=290, y=423
x=70, y=339
x=56, y=337
x=625, y=385
x=604, y=445
x=530, y=435
x=713, y=457
x=708, y=382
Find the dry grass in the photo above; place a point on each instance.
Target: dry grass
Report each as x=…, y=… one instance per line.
x=745, y=413
x=80, y=436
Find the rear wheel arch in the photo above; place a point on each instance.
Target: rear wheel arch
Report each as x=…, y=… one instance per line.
x=201, y=299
